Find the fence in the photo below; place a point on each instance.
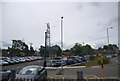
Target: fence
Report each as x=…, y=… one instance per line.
x=61, y=80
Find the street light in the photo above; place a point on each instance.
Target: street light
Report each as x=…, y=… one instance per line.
x=108, y=34
x=62, y=33
x=62, y=37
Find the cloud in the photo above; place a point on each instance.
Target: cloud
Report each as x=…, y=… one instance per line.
x=6, y=44
x=96, y=4
x=79, y=7
x=112, y=21
x=98, y=44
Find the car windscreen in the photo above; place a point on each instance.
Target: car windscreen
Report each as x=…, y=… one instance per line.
x=28, y=71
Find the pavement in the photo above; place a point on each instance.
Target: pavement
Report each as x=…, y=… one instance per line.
x=66, y=67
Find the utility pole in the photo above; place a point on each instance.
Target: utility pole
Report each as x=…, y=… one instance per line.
x=47, y=42
x=45, y=49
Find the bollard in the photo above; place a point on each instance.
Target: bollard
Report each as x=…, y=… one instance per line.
x=12, y=75
x=79, y=75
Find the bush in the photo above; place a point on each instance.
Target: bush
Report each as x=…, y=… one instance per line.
x=105, y=60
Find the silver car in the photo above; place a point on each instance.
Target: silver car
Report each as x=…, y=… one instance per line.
x=32, y=72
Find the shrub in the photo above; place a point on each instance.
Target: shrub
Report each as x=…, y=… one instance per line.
x=105, y=60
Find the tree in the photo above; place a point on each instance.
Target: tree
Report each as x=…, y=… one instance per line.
x=42, y=50
x=110, y=47
x=4, y=51
x=100, y=48
x=19, y=48
x=67, y=50
x=50, y=50
x=80, y=50
x=76, y=49
x=105, y=47
x=57, y=50
x=88, y=49
x=32, y=51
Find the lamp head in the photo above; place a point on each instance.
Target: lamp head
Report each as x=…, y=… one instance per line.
x=111, y=27
x=61, y=17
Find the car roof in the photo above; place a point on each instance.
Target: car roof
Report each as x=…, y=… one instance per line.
x=34, y=66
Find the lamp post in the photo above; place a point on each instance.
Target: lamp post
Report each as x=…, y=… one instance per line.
x=108, y=34
x=62, y=37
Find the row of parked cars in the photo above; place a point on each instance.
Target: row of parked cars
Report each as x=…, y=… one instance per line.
x=69, y=61
x=16, y=60
x=111, y=55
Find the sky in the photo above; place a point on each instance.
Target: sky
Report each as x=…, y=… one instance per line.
x=83, y=22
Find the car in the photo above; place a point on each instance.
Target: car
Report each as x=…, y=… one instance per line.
x=2, y=62
x=32, y=72
x=59, y=63
x=109, y=56
x=21, y=59
x=58, y=58
x=9, y=61
x=15, y=61
x=5, y=75
x=115, y=55
x=70, y=61
x=50, y=63
x=64, y=62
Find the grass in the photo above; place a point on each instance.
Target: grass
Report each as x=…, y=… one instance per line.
x=96, y=62
x=93, y=63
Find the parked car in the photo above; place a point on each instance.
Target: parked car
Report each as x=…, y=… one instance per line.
x=50, y=63
x=109, y=56
x=70, y=61
x=4, y=74
x=21, y=59
x=115, y=55
x=2, y=62
x=59, y=63
x=58, y=58
x=15, y=61
x=32, y=72
x=9, y=61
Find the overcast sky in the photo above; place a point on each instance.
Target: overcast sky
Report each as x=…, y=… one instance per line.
x=83, y=22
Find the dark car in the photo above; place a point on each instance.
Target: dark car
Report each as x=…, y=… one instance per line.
x=57, y=64
x=32, y=72
x=50, y=63
x=70, y=61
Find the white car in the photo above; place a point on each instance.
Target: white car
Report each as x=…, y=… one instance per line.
x=2, y=62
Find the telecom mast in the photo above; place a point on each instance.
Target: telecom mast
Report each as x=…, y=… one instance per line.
x=48, y=35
